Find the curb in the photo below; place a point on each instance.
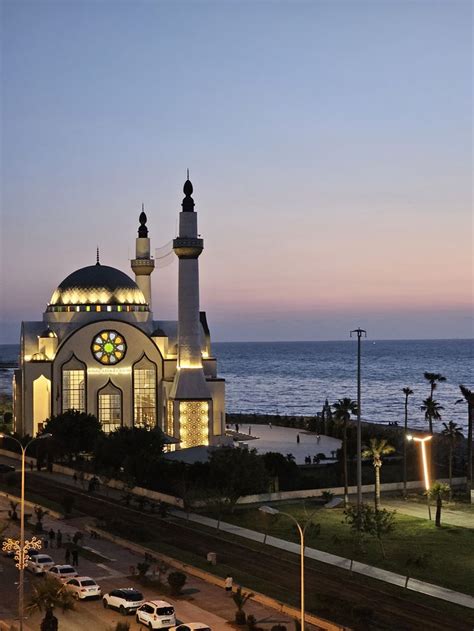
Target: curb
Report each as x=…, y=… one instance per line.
x=320, y=623
x=15, y=498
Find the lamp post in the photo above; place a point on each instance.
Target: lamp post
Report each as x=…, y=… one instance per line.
x=422, y=442
x=22, y=548
x=360, y=332
x=273, y=511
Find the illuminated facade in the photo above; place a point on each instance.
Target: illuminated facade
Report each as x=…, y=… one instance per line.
x=99, y=350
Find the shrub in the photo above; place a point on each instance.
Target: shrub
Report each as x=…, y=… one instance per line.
x=143, y=569
x=278, y=627
x=251, y=622
x=240, y=616
x=176, y=581
x=327, y=496
x=121, y=626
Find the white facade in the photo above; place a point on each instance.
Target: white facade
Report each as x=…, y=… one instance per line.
x=99, y=350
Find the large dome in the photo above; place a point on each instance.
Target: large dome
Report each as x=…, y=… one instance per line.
x=97, y=285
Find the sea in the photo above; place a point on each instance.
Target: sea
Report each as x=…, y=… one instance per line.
x=295, y=378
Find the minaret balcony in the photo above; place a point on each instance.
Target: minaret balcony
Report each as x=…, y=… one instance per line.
x=142, y=267
x=188, y=247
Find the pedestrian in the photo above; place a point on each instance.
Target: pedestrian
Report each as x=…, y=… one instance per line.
x=75, y=556
x=318, y=439
x=237, y=427
x=250, y=430
x=228, y=583
x=67, y=555
x=298, y=438
x=74, y=477
x=32, y=466
x=51, y=536
x=59, y=539
x=270, y=425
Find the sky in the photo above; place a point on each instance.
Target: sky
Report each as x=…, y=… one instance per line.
x=329, y=144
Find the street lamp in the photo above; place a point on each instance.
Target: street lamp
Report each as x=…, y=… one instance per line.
x=360, y=332
x=422, y=441
x=273, y=511
x=22, y=547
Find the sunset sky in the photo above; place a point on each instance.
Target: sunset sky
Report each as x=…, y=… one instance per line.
x=329, y=145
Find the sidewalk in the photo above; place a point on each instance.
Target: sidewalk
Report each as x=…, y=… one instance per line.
x=463, y=518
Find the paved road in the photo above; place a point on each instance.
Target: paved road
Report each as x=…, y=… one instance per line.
x=200, y=603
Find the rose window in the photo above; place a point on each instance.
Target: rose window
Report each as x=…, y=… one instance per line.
x=109, y=347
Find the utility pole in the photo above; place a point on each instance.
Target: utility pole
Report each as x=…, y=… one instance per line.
x=360, y=332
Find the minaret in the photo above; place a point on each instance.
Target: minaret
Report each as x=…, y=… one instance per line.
x=190, y=396
x=143, y=265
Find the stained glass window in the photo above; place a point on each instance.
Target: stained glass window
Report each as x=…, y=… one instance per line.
x=109, y=347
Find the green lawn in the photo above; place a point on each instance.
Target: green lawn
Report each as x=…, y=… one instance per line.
x=450, y=548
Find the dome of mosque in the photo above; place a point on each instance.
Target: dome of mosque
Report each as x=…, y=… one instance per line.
x=97, y=285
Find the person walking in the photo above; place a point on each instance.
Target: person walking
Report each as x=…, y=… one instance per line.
x=228, y=583
x=298, y=438
x=318, y=439
x=51, y=536
x=59, y=539
x=75, y=556
x=67, y=556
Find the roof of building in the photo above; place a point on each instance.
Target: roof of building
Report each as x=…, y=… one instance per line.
x=98, y=284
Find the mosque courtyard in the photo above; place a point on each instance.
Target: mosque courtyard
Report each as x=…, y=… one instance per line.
x=284, y=440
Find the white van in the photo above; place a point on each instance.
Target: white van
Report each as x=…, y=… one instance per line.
x=156, y=614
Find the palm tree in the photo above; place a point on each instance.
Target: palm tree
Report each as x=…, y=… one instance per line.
x=468, y=397
x=407, y=392
x=438, y=491
x=453, y=433
x=343, y=409
x=433, y=379
x=48, y=594
x=378, y=447
x=432, y=409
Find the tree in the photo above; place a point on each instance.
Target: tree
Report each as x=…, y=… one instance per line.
x=438, y=491
x=377, y=449
x=234, y=472
x=453, y=433
x=432, y=410
x=433, y=379
x=468, y=397
x=176, y=581
x=407, y=392
x=73, y=432
x=48, y=594
x=366, y=520
x=240, y=598
x=343, y=409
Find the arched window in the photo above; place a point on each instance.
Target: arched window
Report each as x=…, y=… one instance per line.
x=110, y=407
x=144, y=393
x=73, y=386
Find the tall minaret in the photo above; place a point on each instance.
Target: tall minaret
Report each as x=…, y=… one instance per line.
x=192, y=401
x=143, y=265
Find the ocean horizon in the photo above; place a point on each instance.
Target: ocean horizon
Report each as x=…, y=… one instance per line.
x=295, y=378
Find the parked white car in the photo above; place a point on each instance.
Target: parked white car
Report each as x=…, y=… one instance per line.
x=156, y=614
x=63, y=572
x=39, y=563
x=83, y=587
x=126, y=600
x=191, y=626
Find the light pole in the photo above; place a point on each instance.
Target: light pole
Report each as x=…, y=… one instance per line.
x=273, y=511
x=422, y=441
x=360, y=332
x=22, y=548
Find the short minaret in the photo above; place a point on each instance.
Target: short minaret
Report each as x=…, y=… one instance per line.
x=143, y=265
x=191, y=399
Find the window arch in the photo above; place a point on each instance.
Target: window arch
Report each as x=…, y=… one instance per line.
x=110, y=407
x=144, y=393
x=73, y=380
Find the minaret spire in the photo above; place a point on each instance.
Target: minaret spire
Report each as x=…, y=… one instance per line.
x=143, y=265
x=97, y=257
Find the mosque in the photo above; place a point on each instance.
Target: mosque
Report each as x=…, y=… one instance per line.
x=99, y=350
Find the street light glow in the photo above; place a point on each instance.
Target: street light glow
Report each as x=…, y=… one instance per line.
x=423, y=440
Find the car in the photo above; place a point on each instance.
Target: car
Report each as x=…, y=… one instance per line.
x=126, y=600
x=62, y=572
x=83, y=587
x=39, y=563
x=6, y=468
x=191, y=626
x=156, y=614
